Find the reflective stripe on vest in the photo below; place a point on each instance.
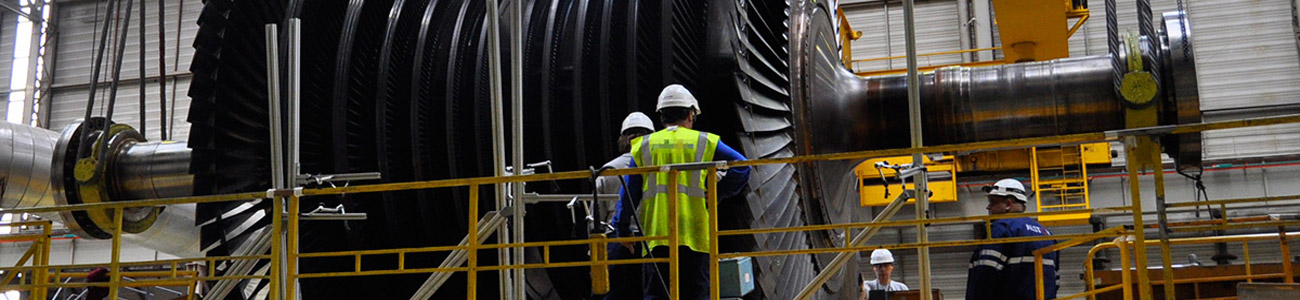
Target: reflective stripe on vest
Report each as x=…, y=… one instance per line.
x=675, y=145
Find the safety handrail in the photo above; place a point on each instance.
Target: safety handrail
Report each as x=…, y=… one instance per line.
x=1089, y=276
x=293, y=196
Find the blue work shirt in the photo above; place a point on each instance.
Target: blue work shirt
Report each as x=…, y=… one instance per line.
x=730, y=185
x=1006, y=271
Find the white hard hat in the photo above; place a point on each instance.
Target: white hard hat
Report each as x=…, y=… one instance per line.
x=676, y=95
x=637, y=120
x=1009, y=187
x=881, y=256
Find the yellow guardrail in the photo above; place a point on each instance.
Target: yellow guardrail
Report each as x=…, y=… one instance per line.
x=291, y=199
x=1124, y=245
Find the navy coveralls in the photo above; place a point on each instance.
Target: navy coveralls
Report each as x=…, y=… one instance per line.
x=1006, y=271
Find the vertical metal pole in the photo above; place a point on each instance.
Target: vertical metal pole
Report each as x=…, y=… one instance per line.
x=1166, y=259
x=279, y=170
x=914, y=111
x=517, y=118
x=295, y=100
x=983, y=28
x=39, y=248
x=471, y=291
x=1125, y=278
x=277, y=250
x=273, y=99
x=711, y=190
x=889, y=38
x=1089, y=280
x=295, y=148
x=498, y=133
x=1245, y=251
x=1039, y=290
x=115, y=265
x=963, y=29
x=292, y=249
x=1287, y=271
x=674, y=258
x=1135, y=165
x=43, y=273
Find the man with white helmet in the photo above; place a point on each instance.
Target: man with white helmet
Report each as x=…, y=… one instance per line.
x=882, y=262
x=624, y=280
x=635, y=125
x=647, y=202
x=1006, y=271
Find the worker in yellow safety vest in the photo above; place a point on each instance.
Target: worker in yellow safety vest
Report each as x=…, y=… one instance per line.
x=677, y=143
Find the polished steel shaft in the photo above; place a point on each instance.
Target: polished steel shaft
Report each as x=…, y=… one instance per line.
x=140, y=171
x=152, y=170
x=961, y=104
x=975, y=104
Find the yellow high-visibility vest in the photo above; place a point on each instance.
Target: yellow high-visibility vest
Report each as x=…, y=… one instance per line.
x=675, y=145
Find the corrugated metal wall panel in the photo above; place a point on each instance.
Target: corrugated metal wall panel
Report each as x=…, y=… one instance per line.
x=68, y=106
x=937, y=30
x=78, y=37
x=8, y=24
x=1246, y=54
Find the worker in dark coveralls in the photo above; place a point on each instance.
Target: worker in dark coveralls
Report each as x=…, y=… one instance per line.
x=1006, y=271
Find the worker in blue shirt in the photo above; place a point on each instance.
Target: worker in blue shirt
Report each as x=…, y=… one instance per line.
x=1006, y=271
x=646, y=203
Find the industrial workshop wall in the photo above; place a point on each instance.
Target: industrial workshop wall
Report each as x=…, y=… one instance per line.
x=8, y=26
x=77, y=30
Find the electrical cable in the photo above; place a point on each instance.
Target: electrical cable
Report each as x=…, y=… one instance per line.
x=636, y=220
x=1200, y=193
x=96, y=69
x=112, y=90
x=144, y=116
x=162, y=69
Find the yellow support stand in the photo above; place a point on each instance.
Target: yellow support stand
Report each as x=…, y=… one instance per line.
x=599, y=269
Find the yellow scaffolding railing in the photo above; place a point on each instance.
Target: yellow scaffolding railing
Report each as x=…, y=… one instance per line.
x=1064, y=185
x=290, y=198
x=1124, y=245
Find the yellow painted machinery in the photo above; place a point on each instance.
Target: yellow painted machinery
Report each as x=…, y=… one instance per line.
x=1024, y=36
x=1058, y=176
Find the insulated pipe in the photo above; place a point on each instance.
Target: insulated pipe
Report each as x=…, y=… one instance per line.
x=28, y=178
x=26, y=154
